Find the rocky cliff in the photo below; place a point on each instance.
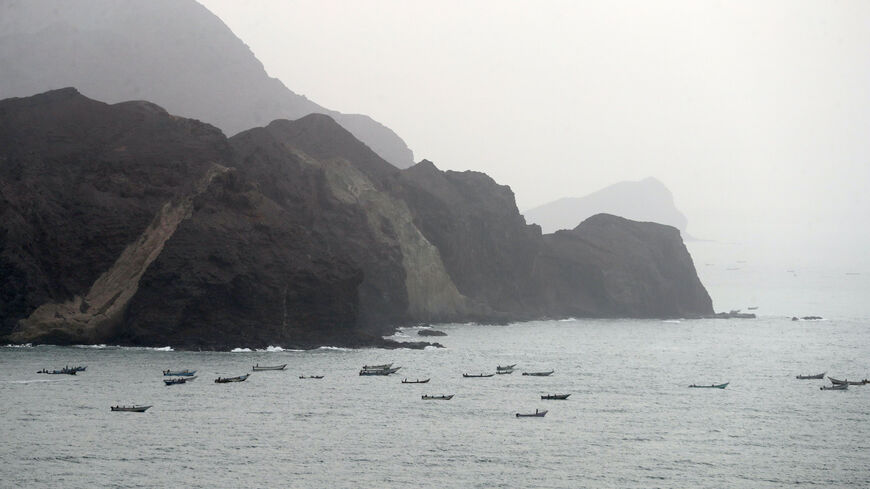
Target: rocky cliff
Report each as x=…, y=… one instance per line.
x=172, y=52
x=124, y=224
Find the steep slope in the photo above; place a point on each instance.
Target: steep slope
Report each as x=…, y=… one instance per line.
x=172, y=52
x=644, y=200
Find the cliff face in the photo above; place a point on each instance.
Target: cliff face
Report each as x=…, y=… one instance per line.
x=172, y=52
x=124, y=224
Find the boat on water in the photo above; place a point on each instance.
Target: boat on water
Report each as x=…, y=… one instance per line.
x=560, y=397
x=131, y=409
x=470, y=376
x=811, y=377
x=835, y=387
x=377, y=367
x=418, y=381
x=539, y=374
x=78, y=368
x=63, y=371
x=380, y=371
x=437, y=398
x=536, y=414
x=506, y=367
x=179, y=380
x=179, y=373
x=711, y=386
x=505, y=372
x=849, y=382
x=258, y=368
x=224, y=380
x=311, y=377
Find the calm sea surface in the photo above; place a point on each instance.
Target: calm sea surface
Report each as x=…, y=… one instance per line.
x=631, y=421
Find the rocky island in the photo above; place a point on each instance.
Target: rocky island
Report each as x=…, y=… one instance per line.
x=125, y=224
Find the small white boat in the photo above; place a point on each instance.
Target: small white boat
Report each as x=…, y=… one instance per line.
x=258, y=368
x=835, y=387
x=536, y=414
x=131, y=409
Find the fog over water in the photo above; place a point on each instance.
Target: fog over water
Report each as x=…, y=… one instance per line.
x=754, y=114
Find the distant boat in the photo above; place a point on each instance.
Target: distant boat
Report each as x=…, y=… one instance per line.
x=506, y=367
x=811, y=377
x=849, y=382
x=437, y=398
x=752, y=308
x=224, y=380
x=258, y=368
x=835, y=387
x=377, y=367
x=64, y=371
x=131, y=409
x=379, y=371
x=560, y=397
x=539, y=374
x=179, y=373
x=418, y=381
x=505, y=371
x=470, y=376
x=536, y=414
x=311, y=377
x=80, y=368
x=711, y=386
x=179, y=380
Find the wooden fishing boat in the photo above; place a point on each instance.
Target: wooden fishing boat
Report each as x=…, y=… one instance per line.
x=224, y=380
x=811, y=377
x=711, y=386
x=472, y=376
x=418, y=381
x=179, y=380
x=437, y=398
x=80, y=368
x=560, y=397
x=64, y=371
x=382, y=371
x=131, y=409
x=258, y=368
x=539, y=374
x=311, y=377
x=179, y=373
x=835, y=387
x=536, y=414
x=506, y=367
x=504, y=372
x=377, y=367
x=845, y=382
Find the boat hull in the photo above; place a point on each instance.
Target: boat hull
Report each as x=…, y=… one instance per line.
x=555, y=397
x=257, y=368
x=221, y=380
x=538, y=414
x=711, y=386
x=130, y=409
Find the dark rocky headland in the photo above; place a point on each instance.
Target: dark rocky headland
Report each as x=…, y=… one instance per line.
x=124, y=224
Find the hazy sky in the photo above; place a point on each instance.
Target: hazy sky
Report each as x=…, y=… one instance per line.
x=755, y=114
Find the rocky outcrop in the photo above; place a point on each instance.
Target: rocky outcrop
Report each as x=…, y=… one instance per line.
x=172, y=52
x=124, y=224
x=644, y=200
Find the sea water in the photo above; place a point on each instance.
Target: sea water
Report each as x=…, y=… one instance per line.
x=631, y=420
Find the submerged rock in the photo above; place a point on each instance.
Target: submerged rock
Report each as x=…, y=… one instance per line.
x=431, y=332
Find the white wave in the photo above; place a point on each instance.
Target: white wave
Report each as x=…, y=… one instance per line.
x=241, y=350
x=26, y=345
x=29, y=381
x=275, y=349
x=161, y=348
x=336, y=348
x=673, y=321
x=567, y=320
x=94, y=347
x=432, y=347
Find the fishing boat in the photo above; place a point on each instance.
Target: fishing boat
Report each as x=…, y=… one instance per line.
x=179, y=380
x=711, y=386
x=258, y=368
x=505, y=372
x=311, y=377
x=849, y=382
x=539, y=374
x=377, y=367
x=474, y=376
x=63, y=371
x=536, y=414
x=131, y=409
x=560, y=397
x=179, y=373
x=811, y=377
x=224, y=380
x=381, y=371
x=418, y=381
x=80, y=368
x=437, y=398
x=506, y=367
x=835, y=387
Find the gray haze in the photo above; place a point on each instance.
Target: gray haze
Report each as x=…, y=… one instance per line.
x=755, y=113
